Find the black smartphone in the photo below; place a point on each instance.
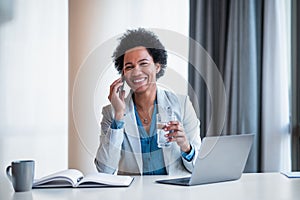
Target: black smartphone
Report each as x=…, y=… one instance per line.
x=122, y=86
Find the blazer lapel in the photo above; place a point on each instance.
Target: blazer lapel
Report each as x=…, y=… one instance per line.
x=162, y=101
x=132, y=132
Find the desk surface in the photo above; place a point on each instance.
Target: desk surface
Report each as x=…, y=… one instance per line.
x=264, y=186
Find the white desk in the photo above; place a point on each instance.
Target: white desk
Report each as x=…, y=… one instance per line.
x=266, y=186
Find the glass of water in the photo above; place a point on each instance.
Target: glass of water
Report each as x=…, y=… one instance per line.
x=161, y=121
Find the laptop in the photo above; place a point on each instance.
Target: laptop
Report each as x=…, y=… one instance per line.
x=221, y=158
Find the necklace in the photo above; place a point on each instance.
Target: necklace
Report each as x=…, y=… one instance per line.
x=145, y=121
x=145, y=116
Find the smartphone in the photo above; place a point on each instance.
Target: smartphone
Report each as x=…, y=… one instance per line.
x=122, y=86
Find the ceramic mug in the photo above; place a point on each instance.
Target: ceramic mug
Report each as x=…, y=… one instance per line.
x=21, y=174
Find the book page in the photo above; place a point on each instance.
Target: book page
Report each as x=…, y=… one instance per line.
x=103, y=179
x=67, y=177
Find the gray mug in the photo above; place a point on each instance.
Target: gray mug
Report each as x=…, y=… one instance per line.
x=21, y=175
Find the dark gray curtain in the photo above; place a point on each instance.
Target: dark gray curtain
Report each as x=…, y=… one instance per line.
x=295, y=93
x=249, y=41
x=230, y=32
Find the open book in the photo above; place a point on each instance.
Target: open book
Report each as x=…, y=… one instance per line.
x=74, y=178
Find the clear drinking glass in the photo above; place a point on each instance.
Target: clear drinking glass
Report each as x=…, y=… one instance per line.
x=161, y=121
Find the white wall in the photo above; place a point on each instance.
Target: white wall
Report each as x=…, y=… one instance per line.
x=33, y=83
x=94, y=27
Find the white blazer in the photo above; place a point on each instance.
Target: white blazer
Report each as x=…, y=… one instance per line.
x=120, y=149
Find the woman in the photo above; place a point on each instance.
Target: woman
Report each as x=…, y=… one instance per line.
x=128, y=128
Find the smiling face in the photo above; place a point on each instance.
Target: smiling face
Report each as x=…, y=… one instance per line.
x=140, y=70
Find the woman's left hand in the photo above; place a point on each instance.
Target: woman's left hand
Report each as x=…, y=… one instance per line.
x=177, y=134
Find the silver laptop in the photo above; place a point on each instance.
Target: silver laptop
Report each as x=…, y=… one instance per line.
x=221, y=158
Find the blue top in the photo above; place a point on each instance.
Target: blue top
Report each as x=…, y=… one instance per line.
x=153, y=160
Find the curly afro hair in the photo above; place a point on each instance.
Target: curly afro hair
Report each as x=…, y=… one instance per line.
x=144, y=38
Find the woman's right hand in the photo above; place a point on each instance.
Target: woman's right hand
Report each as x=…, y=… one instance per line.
x=116, y=98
